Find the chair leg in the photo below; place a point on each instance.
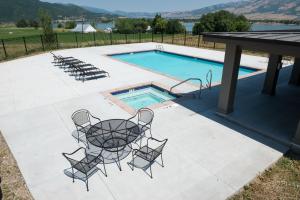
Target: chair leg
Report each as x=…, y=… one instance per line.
x=87, y=183
x=104, y=169
x=73, y=175
x=120, y=168
x=151, y=172
x=78, y=136
x=150, y=131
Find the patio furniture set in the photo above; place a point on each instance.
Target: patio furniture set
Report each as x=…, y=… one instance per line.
x=80, y=70
x=110, y=141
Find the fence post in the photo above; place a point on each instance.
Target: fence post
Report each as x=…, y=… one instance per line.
x=199, y=40
x=25, y=45
x=152, y=36
x=56, y=38
x=126, y=38
x=110, y=35
x=4, y=49
x=184, y=38
x=42, y=42
x=76, y=39
x=173, y=38
x=94, y=35
x=214, y=45
x=162, y=37
x=140, y=39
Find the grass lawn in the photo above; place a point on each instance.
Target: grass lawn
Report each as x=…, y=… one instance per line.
x=13, y=185
x=13, y=32
x=282, y=181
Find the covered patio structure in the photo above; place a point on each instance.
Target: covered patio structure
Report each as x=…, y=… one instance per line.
x=277, y=45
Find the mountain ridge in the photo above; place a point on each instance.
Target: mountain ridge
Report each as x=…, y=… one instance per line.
x=252, y=9
x=14, y=10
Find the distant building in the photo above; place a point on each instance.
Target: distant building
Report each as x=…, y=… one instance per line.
x=86, y=28
x=108, y=30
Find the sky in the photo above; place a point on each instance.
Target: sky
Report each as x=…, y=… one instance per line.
x=144, y=5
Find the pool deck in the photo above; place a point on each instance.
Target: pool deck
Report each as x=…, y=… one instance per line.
x=206, y=157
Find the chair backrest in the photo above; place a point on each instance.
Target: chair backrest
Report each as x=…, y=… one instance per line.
x=160, y=148
x=81, y=117
x=145, y=115
x=78, y=164
x=74, y=162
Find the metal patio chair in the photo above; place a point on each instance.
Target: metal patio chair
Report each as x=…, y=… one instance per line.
x=84, y=168
x=82, y=122
x=144, y=157
x=144, y=118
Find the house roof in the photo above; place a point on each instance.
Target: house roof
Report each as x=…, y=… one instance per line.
x=84, y=27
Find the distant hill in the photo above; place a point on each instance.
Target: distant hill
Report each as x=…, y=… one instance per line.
x=252, y=9
x=96, y=10
x=13, y=10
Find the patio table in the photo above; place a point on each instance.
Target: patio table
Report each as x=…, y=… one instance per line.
x=113, y=135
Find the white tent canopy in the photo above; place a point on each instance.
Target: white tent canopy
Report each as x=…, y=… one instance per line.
x=86, y=28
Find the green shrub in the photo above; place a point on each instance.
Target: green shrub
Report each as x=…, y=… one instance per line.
x=221, y=21
x=70, y=25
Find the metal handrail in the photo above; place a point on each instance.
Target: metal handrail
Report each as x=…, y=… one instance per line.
x=189, y=79
x=209, y=76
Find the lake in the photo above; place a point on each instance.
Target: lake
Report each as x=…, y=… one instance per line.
x=254, y=27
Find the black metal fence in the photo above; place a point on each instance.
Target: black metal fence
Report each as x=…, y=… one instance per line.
x=15, y=47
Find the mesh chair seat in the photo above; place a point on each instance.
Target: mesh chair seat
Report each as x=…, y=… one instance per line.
x=143, y=128
x=145, y=156
x=84, y=168
x=85, y=129
x=147, y=153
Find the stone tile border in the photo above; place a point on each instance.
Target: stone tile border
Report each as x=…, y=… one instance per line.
x=259, y=71
x=107, y=95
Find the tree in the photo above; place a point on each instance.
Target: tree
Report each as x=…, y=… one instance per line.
x=46, y=24
x=140, y=25
x=174, y=26
x=22, y=23
x=159, y=24
x=34, y=24
x=70, y=24
x=124, y=26
x=221, y=21
x=59, y=25
x=127, y=26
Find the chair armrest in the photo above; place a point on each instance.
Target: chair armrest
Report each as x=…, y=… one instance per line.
x=136, y=150
x=97, y=157
x=69, y=154
x=131, y=117
x=78, y=125
x=95, y=117
x=151, y=138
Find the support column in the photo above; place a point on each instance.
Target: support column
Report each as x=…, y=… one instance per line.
x=295, y=76
x=296, y=140
x=271, y=78
x=229, y=78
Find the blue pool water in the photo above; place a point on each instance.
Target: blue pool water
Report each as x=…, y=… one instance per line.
x=143, y=97
x=177, y=66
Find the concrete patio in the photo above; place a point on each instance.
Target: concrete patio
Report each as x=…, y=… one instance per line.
x=206, y=157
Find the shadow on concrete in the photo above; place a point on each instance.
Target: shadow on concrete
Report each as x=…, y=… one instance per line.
x=271, y=120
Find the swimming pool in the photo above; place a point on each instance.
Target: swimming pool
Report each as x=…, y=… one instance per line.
x=144, y=96
x=177, y=66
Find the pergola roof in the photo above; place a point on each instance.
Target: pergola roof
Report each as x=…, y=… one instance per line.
x=284, y=43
